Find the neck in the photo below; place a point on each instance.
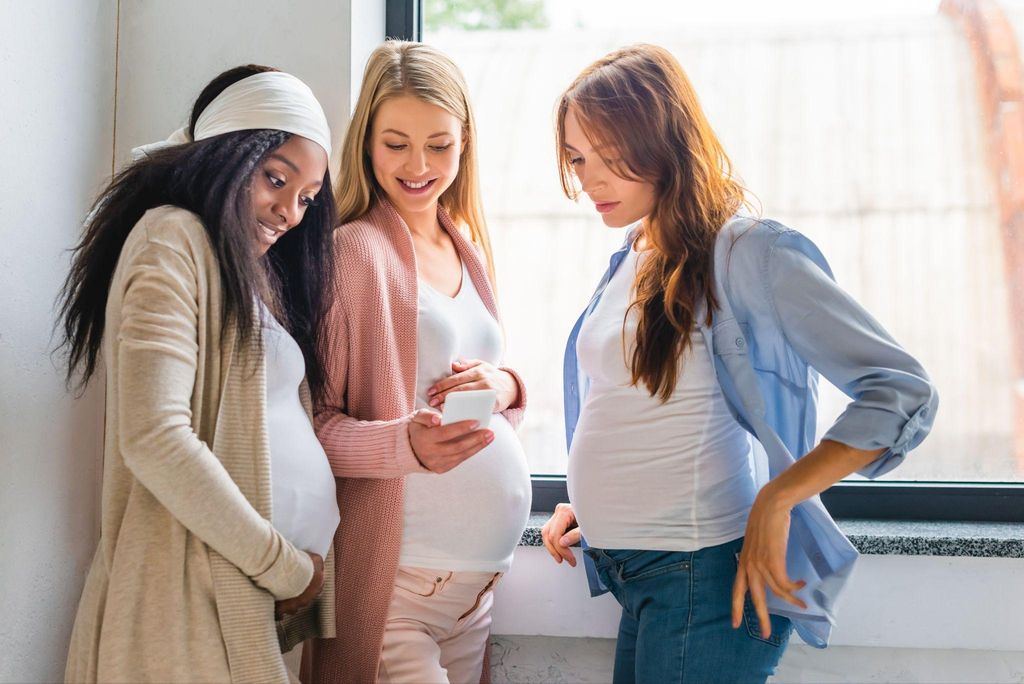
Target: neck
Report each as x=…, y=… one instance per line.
x=640, y=242
x=423, y=224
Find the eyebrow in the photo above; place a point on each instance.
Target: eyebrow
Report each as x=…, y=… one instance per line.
x=596, y=148
x=433, y=135
x=290, y=164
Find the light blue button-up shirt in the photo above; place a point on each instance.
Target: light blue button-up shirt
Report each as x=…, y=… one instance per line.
x=782, y=319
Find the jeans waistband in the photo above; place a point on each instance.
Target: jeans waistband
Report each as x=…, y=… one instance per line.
x=710, y=557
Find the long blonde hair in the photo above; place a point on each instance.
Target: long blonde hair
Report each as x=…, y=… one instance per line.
x=405, y=68
x=639, y=99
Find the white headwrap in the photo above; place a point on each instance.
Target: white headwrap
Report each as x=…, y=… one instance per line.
x=272, y=99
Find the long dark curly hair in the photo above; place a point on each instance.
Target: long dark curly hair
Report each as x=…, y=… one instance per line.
x=211, y=178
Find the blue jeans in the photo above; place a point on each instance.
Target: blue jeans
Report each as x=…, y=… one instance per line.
x=676, y=621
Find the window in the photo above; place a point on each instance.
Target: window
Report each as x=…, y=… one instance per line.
x=883, y=131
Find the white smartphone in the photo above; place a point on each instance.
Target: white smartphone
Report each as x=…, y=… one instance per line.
x=475, y=405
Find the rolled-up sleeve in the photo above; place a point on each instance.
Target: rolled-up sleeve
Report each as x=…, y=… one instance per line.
x=894, y=401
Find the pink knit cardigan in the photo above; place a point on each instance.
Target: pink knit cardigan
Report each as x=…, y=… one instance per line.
x=372, y=383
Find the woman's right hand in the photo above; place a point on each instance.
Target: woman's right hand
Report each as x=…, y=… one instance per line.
x=294, y=604
x=557, y=536
x=442, y=447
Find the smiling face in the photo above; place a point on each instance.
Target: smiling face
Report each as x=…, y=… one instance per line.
x=286, y=184
x=620, y=201
x=414, y=149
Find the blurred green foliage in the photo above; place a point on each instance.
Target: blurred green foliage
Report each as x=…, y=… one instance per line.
x=476, y=15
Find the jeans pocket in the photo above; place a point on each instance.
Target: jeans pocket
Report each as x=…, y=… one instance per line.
x=621, y=555
x=780, y=625
x=421, y=583
x=647, y=564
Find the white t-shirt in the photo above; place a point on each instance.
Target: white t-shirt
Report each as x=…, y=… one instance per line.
x=304, y=503
x=647, y=475
x=472, y=517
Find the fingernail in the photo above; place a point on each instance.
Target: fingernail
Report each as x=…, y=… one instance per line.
x=431, y=392
x=489, y=437
x=434, y=402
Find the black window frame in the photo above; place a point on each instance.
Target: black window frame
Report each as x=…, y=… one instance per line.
x=403, y=19
x=888, y=500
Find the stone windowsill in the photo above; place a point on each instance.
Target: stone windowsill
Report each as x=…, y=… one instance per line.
x=901, y=538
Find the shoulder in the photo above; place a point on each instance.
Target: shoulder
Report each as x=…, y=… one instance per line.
x=372, y=258
x=175, y=228
x=365, y=242
x=754, y=248
x=172, y=236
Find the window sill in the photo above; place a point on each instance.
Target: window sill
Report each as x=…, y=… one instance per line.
x=900, y=538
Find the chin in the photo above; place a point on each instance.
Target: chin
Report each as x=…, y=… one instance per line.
x=613, y=222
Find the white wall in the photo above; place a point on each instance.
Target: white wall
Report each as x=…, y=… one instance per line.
x=57, y=75
x=170, y=50
x=57, y=80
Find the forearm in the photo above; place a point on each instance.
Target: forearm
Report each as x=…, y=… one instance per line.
x=822, y=467
x=363, y=448
x=517, y=407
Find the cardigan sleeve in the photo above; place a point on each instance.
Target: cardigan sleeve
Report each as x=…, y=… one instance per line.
x=156, y=374
x=514, y=414
x=358, y=448
x=894, y=402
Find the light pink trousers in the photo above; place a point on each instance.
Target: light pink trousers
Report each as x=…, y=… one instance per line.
x=437, y=627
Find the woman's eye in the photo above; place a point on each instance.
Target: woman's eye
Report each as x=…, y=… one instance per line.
x=441, y=148
x=575, y=161
x=310, y=201
x=275, y=181
x=396, y=148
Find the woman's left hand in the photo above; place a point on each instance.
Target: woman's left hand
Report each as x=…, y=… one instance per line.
x=476, y=375
x=763, y=561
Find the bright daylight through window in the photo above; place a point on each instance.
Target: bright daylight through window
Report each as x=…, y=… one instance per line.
x=872, y=127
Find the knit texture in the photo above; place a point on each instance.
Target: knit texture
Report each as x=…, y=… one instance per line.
x=182, y=586
x=364, y=430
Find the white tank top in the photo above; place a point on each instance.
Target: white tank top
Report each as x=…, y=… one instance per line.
x=646, y=475
x=472, y=517
x=304, y=503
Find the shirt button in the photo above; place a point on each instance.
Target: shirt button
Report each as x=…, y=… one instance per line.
x=740, y=342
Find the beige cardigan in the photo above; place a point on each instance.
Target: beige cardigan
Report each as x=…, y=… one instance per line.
x=182, y=586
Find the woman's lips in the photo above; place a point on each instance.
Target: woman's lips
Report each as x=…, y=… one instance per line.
x=416, y=187
x=605, y=207
x=269, y=235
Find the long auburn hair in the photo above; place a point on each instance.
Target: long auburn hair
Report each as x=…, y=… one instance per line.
x=213, y=179
x=639, y=101
x=405, y=68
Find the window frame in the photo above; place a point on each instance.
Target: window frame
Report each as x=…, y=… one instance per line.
x=888, y=500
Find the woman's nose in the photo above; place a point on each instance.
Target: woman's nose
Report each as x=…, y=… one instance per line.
x=416, y=163
x=289, y=211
